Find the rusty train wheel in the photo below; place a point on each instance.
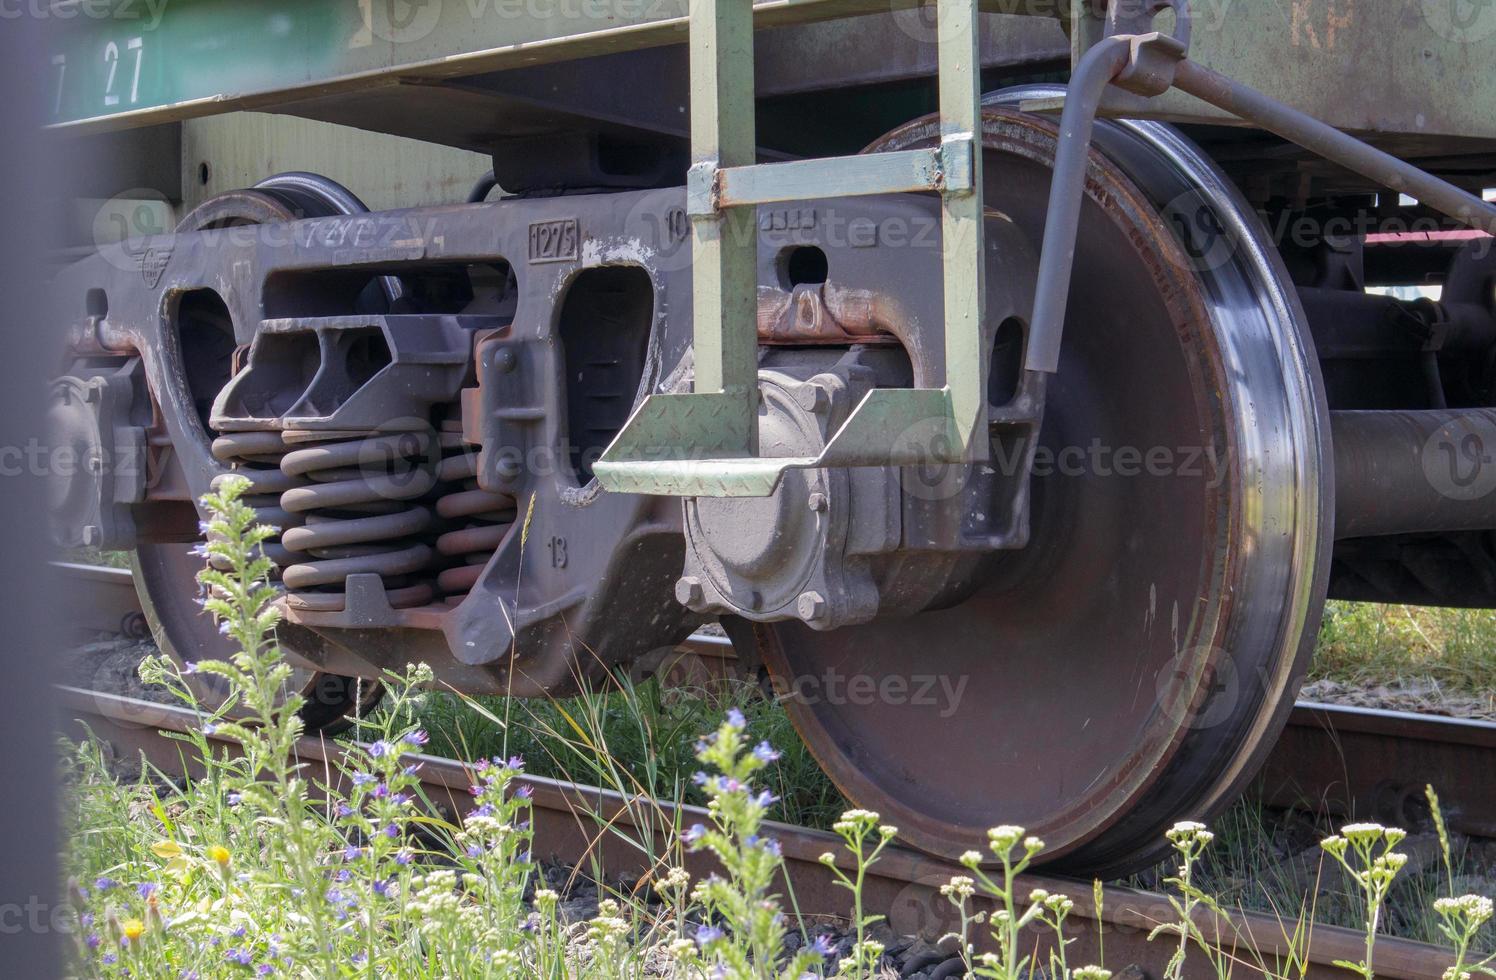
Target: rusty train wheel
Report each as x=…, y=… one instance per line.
x=165, y=574
x=1131, y=666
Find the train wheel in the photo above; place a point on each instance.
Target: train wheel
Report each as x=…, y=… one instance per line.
x=165, y=580
x=1131, y=666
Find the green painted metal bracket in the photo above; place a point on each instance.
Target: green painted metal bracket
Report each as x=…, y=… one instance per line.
x=704, y=444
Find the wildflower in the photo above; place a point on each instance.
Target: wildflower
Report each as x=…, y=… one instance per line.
x=1477, y=909
x=403, y=856
x=699, y=778
x=104, y=884
x=265, y=969
x=764, y=752
x=209, y=728
x=352, y=852
x=362, y=778
x=241, y=956
x=765, y=799
x=735, y=718
x=417, y=737
x=190, y=667
x=706, y=935
x=971, y=859
x=959, y=886
x=380, y=749
x=515, y=762
x=823, y=945
x=524, y=792
x=145, y=889
x=234, y=799
x=93, y=940
x=132, y=929
x=694, y=833
x=219, y=855
x=1004, y=837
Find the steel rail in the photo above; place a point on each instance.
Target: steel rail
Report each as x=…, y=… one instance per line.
x=1345, y=761
x=589, y=828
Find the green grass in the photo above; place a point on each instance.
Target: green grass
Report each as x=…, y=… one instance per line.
x=1370, y=644
x=634, y=737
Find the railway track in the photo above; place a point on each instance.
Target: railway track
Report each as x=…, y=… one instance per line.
x=1348, y=762
x=1365, y=763
x=576, y=825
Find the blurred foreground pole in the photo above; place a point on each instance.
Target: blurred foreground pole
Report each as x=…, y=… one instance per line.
x=30, y=943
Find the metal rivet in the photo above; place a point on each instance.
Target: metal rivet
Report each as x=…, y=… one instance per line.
x=817, y=501
x=504, y=360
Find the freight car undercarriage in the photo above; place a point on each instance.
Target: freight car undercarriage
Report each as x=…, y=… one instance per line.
x=1142, y=526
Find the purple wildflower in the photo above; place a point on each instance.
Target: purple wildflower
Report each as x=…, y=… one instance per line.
x=707, y=934
x=145, y=889
x=735, y=718
x=417, y=737
x=104, y=884
x=764, y=752
x=240, y=956
x=694, y=833
x=822, y=944
x=380, y=749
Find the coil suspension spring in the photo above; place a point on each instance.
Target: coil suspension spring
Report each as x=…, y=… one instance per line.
x=358, y=502
x=484, y=517
x=256, y=456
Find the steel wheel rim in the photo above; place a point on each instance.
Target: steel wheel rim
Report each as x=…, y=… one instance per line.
x=1271, y=565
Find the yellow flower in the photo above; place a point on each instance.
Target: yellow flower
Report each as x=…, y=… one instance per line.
x=133, y=929
x=219, y=854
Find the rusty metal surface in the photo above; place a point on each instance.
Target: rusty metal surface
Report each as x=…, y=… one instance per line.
x=1365, y=763
x=570, y=821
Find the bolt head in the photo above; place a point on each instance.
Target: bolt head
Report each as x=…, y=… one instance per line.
x=817, y=501
x=811, y=606
x=812, y=397
x=689, y=593
x=505, y=360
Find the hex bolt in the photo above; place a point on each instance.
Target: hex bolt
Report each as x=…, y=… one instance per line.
x=811, y=606
x=812, y=397
x=92, y=535
x=817, y=501
x=689, y=593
